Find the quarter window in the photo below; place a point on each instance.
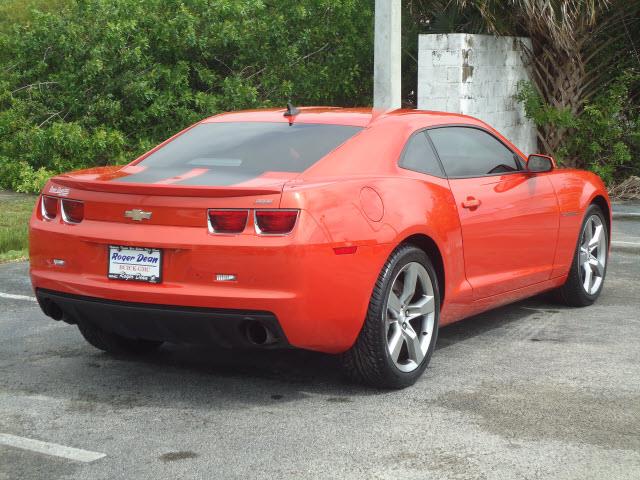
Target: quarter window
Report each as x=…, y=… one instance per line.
x=419, y=156
x=470, y=152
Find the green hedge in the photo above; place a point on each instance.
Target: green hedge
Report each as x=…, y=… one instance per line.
x=604, y=137
x=100, y=81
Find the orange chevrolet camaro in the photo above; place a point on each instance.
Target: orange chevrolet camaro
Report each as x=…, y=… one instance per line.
x=344, y=231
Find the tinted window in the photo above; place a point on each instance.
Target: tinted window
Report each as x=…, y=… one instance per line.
x=233, y=152
x=469, y=152
x=419, y=156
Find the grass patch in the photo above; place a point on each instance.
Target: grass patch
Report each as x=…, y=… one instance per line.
x=21, y=11
x=15, y=211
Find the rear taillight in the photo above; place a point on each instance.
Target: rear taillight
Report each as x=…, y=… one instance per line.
x=228, y=221
x=275, y=222
x=49, y=207
x=72, y=210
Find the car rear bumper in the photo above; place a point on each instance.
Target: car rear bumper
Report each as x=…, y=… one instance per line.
x=222, y=327
x=319, y=298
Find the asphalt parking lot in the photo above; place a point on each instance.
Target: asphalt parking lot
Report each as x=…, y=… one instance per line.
x=528, y=391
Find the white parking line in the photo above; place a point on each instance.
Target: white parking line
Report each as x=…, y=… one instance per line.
x=11, y=296
x=616, y=242
x=47, y=448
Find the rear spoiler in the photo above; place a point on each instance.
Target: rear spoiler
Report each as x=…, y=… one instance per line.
x=167, y=190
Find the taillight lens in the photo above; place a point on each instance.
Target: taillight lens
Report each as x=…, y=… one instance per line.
x=275, y=222
x=228, y=221
x=49, y=207
x=72, y=210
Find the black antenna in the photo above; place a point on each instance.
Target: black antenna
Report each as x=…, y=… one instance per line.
x=291, y=110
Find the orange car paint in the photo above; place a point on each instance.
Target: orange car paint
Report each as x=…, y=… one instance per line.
x=517, y=242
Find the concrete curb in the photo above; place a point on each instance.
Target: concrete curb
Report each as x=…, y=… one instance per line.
x=631, y=244
x=626, y=216
x=627, y=247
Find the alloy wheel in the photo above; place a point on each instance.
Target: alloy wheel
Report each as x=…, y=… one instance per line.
x=593, y=254
x=410, y=317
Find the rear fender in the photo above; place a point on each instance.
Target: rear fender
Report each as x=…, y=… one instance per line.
x=411, y=206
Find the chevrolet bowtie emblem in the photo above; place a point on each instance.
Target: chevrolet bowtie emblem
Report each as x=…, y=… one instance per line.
x=137, y=215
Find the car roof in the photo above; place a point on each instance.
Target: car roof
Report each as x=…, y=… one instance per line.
x=384, y=135
x=361, y=117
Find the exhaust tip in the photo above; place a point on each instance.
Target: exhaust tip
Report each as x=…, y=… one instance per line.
x=257, y=334
x=52, y=309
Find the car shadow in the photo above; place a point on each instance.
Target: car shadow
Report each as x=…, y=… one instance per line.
x=281, y=375
x=495, y=319
x=199, y=377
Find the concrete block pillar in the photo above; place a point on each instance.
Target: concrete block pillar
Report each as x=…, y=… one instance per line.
x=477, y=75
x=386, y=56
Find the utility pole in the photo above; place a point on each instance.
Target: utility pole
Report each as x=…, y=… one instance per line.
x=386, y=55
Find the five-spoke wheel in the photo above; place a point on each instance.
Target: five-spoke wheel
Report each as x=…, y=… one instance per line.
x=593, y=254
x=586, y=275
x=410, y=316
x=399, y=334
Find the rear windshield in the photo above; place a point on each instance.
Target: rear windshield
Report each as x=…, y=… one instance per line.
x=236, y=151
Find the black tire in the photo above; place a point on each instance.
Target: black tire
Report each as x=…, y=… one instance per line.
x=572, y=293
x=369, y=361
x=113, y=343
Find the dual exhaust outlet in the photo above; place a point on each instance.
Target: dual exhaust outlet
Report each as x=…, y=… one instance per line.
x=51, y=309
x=258, y=334
x=254, y=332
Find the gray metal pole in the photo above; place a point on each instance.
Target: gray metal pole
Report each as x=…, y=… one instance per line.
x=386, y=55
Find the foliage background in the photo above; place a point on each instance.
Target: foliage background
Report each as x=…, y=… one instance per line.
x=585, y=63
x=92, y=82
x=95, y=82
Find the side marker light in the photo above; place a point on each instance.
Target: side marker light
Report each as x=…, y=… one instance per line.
x=345, y=250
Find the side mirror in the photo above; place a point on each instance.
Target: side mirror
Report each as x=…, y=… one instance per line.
x=540, y=163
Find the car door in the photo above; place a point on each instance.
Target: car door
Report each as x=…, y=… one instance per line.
x=508, y=216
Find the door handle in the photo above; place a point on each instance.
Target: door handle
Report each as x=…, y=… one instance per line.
x=471, y=203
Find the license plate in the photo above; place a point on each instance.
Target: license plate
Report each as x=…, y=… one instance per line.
x=135, y=263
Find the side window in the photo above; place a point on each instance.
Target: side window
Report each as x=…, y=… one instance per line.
x=419, y=156
x=469, y=152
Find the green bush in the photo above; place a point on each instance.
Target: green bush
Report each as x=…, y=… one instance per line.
x=99, y=82
x=602, y=137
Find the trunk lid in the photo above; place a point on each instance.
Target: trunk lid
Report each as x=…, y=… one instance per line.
x=108, y=198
